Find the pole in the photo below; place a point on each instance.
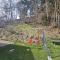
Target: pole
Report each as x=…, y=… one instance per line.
x=45, y=45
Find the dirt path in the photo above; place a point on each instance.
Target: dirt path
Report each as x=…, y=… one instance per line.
x=4, y=43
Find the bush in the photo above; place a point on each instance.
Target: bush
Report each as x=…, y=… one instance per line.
x=46, y=21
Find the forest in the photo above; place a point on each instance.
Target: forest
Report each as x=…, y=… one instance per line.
x=11, y=10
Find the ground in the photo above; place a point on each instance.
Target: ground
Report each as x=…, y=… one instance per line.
x=23, y=51
x=26, y=52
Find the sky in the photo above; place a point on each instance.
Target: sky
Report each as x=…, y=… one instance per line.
x=15, y=11
x=2, y=12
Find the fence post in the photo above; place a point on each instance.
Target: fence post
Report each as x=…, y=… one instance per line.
x=45, y=45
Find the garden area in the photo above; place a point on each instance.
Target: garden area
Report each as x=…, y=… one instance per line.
x=26, y=52
x=25, y=46
x=29, y=30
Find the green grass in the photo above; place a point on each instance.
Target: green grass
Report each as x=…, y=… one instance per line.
x=27, y=52
x=55, y=52
x=21, y=53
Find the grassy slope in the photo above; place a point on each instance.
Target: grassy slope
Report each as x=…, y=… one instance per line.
x=29, y=52
x=21, y=53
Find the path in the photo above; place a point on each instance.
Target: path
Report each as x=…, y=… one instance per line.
x=4, y=43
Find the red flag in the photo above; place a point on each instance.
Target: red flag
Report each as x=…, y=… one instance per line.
x=30, y=41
